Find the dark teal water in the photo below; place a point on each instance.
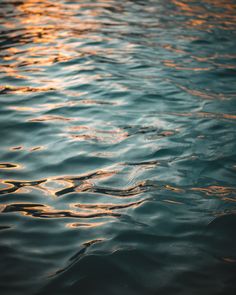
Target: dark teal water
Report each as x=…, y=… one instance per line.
x=118, y=147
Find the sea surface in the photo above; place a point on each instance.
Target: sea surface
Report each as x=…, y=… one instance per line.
x=117, y=147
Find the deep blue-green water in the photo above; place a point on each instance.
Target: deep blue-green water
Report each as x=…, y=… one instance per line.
x=117, y=147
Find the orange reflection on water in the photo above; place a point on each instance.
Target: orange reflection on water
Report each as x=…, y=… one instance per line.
x=108, y=207
x=175, y=189
x=172, y=64
x=22, y=89
x=47, y=118
x=9, y=166
x=17, y=148
x=220, y=191
x=82, y=224
x=229, y=116
x=52, y=186
x=22, y=148
x=46, y=211
x=45, y=27
x=43, y=107
x=220, y=14
x=208, y=115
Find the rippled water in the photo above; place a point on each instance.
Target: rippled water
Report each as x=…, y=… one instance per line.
x=117, y=147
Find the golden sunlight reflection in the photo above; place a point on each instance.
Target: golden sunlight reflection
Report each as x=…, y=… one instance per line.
x=220, y=191
x=27, y=149
x=175, y=189
x=47, y=118
x=180, y=67
x=218, y=116
x=9, y=166
x=43, y=211
x=21, y=89
x=43, y=107
x=82, y=224
x=43, y=26
x=108, y=207
x=201, y=17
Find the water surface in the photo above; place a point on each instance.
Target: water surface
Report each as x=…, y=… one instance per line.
x=117, y=154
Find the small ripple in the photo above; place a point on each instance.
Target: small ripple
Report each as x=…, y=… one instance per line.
x=109, y=207
x=48, y=118
x=151, y=132
x=17, y=148
x=206, y=94
x=178, y=67
x=20, y=89
x=83, y=183
x=14, y=185
x=173, y=202
x=96, y=102
x=82, y=224
x=9, y=166
x=87, y=133
x=208, y=115
x=146, y=164
x=22, y=148
x=123, y=193
x=76, y=257
x=42, y=107
x=215, y=190
x=43, y=211
x=173, y=188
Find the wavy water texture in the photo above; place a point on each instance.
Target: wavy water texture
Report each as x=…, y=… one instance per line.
x=117, y=163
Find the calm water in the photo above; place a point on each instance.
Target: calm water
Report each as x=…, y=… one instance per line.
x=118, y=147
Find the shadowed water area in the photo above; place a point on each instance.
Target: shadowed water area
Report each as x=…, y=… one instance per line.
x=117, y=153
